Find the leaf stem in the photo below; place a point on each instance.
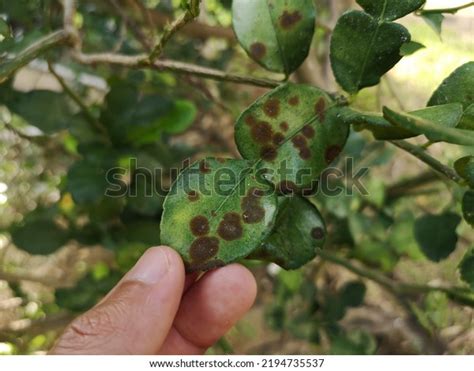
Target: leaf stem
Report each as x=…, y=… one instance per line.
x=423, y=156
x=446, y=10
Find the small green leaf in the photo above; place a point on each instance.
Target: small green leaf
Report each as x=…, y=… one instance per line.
x=275, y=33
x=295, y=128
x=299, y=231
x=436, y=235
x=179, y=118
x=465, y=168
x=352, y=294
x=468, y=207
x=410, y=48
x=5, y=31
x=47, y=110
x=364, y=49
x=39, y=236
x=466, y=268
x=457, y=88
x=434, y=20
x=217, y=212
x=428, y=128
x=389, y=10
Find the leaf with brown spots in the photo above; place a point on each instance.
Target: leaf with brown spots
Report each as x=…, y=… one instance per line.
x=299, y=230
x=277, y=34
x=295, y=126
x=217, y=216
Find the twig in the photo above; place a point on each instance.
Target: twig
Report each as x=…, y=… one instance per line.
x=96, y=124
x=140, y=61
x=427, y=159
x=446, y=10
x=191, y=12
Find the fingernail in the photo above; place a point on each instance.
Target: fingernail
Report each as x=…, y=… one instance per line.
x=151, y=267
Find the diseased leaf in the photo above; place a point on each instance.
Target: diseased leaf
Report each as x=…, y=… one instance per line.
x=364, y=49
x=468, y=207
x=299, y=231
x=39, y=236
x=294, y=127
x=436, y=235
x=466, y=268
x=410, y=48
x=465, y=168
x=434, y=20
x=429, y=128
x=456, y=88
x=217, y=211
x=275, y=33
x=389, y=10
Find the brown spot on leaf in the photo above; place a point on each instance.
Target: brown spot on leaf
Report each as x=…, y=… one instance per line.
x=258, y=50
x=308, y=131
x=317, y=233
x=269, y=153
x=272, y=107
x=320, y=109
x=278, y=139
x=287, y=187
x=284, y=126
x=299, y=142
x=206, y=266
x=294, y=101
x=332, y=152
x=193, y=196
x=199, y=225
x=230, y=228
x=204, y=167
x=203, y=248
x=288, y=20
x=262, y=132
x=253, y=212
x=250, y=120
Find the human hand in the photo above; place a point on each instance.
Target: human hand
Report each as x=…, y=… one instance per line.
x=156, y=309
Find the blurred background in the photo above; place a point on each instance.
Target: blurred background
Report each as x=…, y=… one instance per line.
x=63, y=244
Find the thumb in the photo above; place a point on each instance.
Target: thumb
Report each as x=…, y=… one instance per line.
x=136, y=316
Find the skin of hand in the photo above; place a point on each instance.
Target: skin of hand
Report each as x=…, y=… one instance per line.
x=157, y=309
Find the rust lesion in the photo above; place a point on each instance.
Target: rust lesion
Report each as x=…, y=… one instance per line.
x=289, y=19
x=258, y=50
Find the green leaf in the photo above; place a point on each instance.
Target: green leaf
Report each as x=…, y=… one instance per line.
x=352, y=294
x=5, y=31
x=277, y=34
x=299, y=231
x=364, y=49
x=434, y=20
x=389, y=10
x=465, y=169
x=457, y=88
x=429, y=128
x=217, y=212
x=436, y=235
x=47, y=110
x=467, y=120
x=39, y=236
x=410, y=48
x=294, y=127
x=468, y=207
x=466, y=268
x=179, y=118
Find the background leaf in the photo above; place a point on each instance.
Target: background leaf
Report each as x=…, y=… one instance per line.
x=436, y=235
x=465, y=169
x=468, y=207
x=364, y=49
x=390, y=10
x=275, y=33
x=466, y=268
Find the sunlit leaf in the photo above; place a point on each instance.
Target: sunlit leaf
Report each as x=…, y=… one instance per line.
x=217, y=211
x=294, y=127
x=390, y=10
x=275, y=33
x=363, y=49
x=410, y=48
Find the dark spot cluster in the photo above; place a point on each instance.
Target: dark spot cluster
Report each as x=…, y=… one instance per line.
x=230, y=228
x=288, y=20
x=332, y=152
x=272, y=107
x=320, y=109
x=261, y=132
x=258, y=50
x=204, y=167
x=300, y=143
x=193, y=196
x=269, y=153
x=253, y=212
x=308, y=131
x=203, y=249
x=317, y=233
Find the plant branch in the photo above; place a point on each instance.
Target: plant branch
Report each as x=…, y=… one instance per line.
x=447, y=10
x=96, y=124
x=422, y=155
x=140, y=61
x=190, y=14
